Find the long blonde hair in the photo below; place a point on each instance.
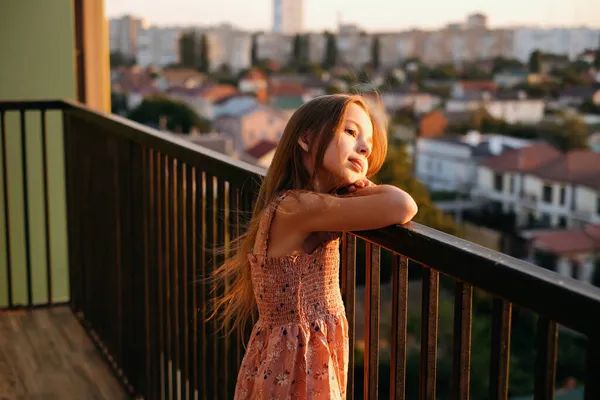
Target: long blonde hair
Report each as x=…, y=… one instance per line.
x=320, y=118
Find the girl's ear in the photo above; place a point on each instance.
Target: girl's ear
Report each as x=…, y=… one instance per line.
x=303, y=142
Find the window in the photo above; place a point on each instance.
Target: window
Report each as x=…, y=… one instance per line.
x=563, y=196
x=562, y=221
x=512, y=184
x=498, y=182
x=547, y=194
x=598, y=205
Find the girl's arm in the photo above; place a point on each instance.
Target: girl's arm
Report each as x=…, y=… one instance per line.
x=367, y=208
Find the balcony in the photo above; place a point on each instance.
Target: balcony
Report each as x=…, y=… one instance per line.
x=145, y=213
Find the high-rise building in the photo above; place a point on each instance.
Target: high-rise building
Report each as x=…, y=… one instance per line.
x=288, y=16
x=124, y=34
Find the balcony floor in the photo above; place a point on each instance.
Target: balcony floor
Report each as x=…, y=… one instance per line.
x=45, y=354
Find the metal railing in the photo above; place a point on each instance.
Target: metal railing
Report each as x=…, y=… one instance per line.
x=146, y=212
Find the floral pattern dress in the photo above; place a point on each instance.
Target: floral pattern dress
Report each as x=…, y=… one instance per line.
x=298, y=348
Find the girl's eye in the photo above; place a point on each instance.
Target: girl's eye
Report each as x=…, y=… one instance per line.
x=351, y=132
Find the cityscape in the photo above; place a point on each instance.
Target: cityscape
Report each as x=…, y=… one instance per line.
x=493, y=129
x=500, y=127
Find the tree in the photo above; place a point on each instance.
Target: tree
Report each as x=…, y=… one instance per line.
x=118, y=59
x=330, y=59
x=501, y=64
x=397, y=171
x=297, y=50
x=204, y=51
x=570, y=134
x=179, y=116
x=589, y=107
x=187, y=49
x=597, y=60
x=570, y=77
x=375, y=49
x=535, y=62
x=254, y=50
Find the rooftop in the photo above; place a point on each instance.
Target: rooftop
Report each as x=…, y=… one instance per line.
x=568, y=241
x=525, y=159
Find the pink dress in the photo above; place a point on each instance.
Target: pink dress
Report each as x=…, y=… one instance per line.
x=298, y=348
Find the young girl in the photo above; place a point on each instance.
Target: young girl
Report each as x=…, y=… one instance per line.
x=288, y=262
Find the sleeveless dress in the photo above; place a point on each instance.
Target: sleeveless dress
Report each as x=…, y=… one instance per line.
x=298, y=349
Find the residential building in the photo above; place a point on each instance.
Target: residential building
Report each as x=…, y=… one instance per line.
x=477, y=21
x=395, y=48
x=275, y=47
x=465, y=89
x=511, y=78
x=288, y=16
x=254, y=81
x=252, y=125
x=228, y=48
x=432, y=124
x=317, y=45
x=233, y=104
x=451, y=163
x=575, y=96
x=287, y=104
x=510, y=107
x=570, y=252
x=543, y=186
x=123, y=35
x=354, y=47
x=569, y=42
x=202, y=99
x=260, y=154
x=421, y=102
x=157, y=46
x=212, y=140
x=184, y=77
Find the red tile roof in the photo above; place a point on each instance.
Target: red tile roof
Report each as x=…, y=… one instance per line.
x=523, y=159
x=259, y=150
x=568, y=241
x=577, y=166
x=489, y=86
x=287, y=89
x=254, y=75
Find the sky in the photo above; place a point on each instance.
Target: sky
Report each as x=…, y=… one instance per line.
x=371, y=15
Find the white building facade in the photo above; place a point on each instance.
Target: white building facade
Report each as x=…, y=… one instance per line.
x=288, y=16
x=158, y=46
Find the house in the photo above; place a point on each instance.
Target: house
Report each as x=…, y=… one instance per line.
x=254, y=81
x=202, y=99
x=287, y=104
x=252, y=125
x=432, y=124
x=182, y=77
x=553, y=62
x=465, y=89
x=512, y=107
x=450, y=163
x=544, y=187
x=213, y=141
x=575, y=96
x=570, y=252
x=421, y=102
x=233, y=104
x=261, y=154
x=511, y=78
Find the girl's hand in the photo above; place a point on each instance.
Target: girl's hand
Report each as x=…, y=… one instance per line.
x=361, y=183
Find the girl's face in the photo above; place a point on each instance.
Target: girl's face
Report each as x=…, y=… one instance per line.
x=345, y=159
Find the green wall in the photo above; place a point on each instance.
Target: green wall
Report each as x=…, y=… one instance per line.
x=37, y=62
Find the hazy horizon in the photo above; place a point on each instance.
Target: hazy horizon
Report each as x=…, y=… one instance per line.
x=375, y=15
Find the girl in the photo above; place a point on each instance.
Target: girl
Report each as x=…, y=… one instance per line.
x=288, y=263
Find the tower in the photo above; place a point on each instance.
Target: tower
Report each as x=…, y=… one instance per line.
x=288, y=16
